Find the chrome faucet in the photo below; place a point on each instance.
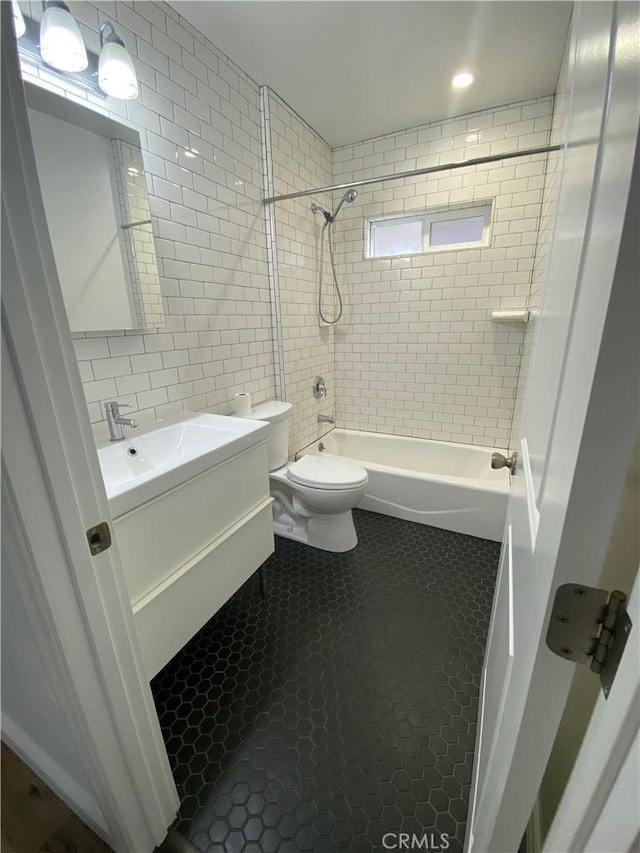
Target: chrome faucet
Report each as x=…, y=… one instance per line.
x=115, y=422
x=326, y=419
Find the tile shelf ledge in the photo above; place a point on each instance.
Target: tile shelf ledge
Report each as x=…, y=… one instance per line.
x=511, y=315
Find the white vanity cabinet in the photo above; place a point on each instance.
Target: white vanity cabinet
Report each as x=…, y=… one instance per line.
x=187, y=551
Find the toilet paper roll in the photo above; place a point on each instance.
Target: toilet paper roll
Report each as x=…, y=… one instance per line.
x=243, y=404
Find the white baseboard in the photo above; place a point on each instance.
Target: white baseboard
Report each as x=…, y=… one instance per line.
x=80, y=801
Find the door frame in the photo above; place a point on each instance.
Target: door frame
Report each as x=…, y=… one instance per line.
x=608, y=757
x=614, y=399
x=77, y=605
x=604, y=396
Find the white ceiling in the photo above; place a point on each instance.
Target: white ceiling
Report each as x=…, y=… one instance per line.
x=354, y=69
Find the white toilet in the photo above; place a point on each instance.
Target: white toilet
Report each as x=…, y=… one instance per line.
x=314, y=496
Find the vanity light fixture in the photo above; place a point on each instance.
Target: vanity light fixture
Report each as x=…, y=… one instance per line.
x=116, y=74
x=18, y=19
x=56, y=45
x=61, y=43
x=462, y=79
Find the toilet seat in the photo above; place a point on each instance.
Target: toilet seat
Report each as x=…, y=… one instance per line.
x=323, y=472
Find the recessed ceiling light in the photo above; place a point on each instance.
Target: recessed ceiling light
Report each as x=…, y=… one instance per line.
x=462, y=80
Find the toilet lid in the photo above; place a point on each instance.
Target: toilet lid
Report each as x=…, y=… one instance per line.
x=326, y=472
x=273, y=411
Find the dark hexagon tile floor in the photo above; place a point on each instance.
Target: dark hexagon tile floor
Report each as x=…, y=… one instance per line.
x=340, y=707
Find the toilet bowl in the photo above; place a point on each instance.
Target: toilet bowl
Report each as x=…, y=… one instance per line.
x=313, y=497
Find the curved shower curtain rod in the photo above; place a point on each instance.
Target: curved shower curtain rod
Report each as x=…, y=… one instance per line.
x=428, y=170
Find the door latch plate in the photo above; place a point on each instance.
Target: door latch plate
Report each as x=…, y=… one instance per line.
x=99, y=538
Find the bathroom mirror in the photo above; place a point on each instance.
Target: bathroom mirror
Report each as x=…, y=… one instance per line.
x=97, y=206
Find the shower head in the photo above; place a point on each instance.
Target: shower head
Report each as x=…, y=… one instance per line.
x=349, y=196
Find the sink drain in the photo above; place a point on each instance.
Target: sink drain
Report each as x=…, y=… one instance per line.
x=132, y=451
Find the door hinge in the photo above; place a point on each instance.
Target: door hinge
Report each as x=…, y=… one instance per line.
x=99, y=538
x=590, y=626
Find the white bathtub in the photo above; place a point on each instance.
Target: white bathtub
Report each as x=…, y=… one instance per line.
x=432, y=482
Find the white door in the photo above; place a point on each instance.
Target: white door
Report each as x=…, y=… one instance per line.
x=52, y=492
x=581, y=402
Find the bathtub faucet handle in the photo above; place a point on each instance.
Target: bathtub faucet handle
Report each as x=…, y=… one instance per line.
x=319, y=388
x=499, y=460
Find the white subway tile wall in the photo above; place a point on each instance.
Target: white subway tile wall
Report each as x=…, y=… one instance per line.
x=199, y=123
x=417, y=353
x=545, y=235
x=302, y=160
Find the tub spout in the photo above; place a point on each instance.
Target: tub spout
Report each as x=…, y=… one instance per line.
x=326, y=419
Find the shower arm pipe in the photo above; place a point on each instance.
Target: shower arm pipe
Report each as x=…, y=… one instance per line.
x=427, y=170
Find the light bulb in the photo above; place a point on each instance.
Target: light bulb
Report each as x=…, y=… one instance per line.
x=462, y=80
x=116, y=73
x=61, y=44
x=18, y=20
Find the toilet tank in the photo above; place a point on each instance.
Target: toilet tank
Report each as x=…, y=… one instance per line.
x=277, y=415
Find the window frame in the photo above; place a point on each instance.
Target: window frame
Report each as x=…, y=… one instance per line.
x=483, y=208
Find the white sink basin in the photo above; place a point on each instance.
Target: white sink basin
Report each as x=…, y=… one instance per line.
x=148, y=463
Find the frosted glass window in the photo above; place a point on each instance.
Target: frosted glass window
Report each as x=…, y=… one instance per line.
x=464, y=227
x=397, y=237
x=454, y=231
